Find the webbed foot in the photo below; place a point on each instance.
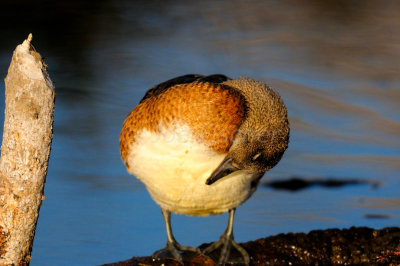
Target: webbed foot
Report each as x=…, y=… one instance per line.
x=176, y=251
x=227, y=250
x=222, y=251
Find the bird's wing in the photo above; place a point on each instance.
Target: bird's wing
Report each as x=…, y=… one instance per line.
x=213, y=112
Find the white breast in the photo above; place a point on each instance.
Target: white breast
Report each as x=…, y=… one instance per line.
x=174, y=167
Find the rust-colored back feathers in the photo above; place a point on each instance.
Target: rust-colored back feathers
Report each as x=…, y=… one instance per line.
x=212, y=111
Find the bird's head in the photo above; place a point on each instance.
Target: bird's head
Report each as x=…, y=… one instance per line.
x=253, y=152
x=262, y=138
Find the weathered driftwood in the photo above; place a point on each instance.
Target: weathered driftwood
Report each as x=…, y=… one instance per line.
x=354, y=246
x=25, y=151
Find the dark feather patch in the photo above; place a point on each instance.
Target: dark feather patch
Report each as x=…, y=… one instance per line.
x=216, y=78
x=162, y=87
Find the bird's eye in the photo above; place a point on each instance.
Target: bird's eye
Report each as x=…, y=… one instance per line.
x=256, y=156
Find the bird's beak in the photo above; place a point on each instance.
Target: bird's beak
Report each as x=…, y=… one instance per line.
x=224, y=169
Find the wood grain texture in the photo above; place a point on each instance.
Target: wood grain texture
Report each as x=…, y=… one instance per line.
x=25, y=152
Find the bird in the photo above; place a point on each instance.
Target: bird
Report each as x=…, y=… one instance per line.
x=201, y=144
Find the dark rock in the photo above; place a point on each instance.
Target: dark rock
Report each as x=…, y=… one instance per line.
x=354, y=246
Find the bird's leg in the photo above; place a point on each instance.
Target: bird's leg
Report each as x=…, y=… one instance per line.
x=226, y=242
x=173, y=248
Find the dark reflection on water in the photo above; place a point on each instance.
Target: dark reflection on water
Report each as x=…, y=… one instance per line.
x=298, y=183
x=335, y=63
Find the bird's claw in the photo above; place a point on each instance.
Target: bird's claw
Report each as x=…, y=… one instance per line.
x=177, y=252
x=226, y=243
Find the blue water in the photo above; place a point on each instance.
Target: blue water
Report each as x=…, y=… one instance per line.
x=336, y=67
